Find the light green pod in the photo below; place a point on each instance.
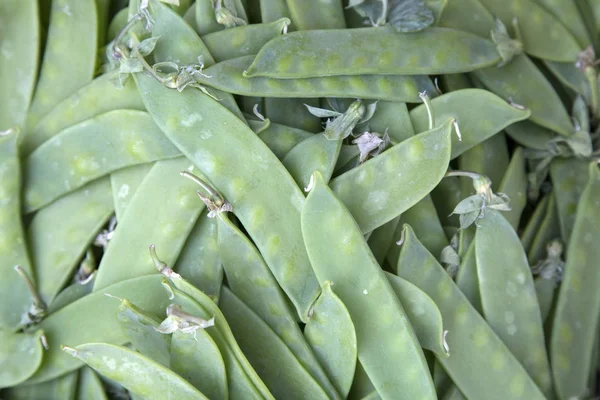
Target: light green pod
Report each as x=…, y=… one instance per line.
x=382, y=239
x=454, y=394
x=489, y=158
x=573, y=78
x=568, y=14
x=61, y=388
x=531, y=135
x=533, y=224
x=60, y=233
x=361, y=384
x=473, y=344
x=330, y=332
x=393, y=116
x=20, y=356
x=95, y=98
x=124, y=184
x=90, y=150
x=70, y=294
x=575, y=323
x=316, y=14
x=175, y=208
x=340, y=255
x=68, y=64
x=135, y=372
x=467, y=279
x=118, y=22
x=479, y=114
x=20, y=43
x=90, y=386
x=549, y=229
x=445, y=196
x=378, y=51
x=293, y=112
x=272, y=10
x=514, y=185
x=206, y=21
x=317, y=153
x=280, y=138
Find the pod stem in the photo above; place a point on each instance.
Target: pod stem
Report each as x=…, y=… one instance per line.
x=38, y=308
x=427, y=101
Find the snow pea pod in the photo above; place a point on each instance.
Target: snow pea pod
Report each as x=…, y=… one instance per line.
x=316, y=14
x=514, y=185
x=317, y=153
x=533, y=224
x=135, y=372
x=381, y=239
x=393, y=116
x=467, y=279
x=336, y=246
x=473, y=344
x=61, y=388
x=489, y=158
x=293, y=112
x=20, y=355
x=549, y=229
x=206, y=22
x=575, y=320
x=280, y=138
x=568, y=14
x=118, y=22
x=375, y=51
x=18, y=67
x=124, y=183
x=271, y=10
x=227, y=76
x=573, y=78
x=90, y=386
x=531, y=135
x=468, y=107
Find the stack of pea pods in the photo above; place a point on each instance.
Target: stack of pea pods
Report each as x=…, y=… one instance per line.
x=299, y=199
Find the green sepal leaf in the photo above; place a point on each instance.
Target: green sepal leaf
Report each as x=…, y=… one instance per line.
x=147, y=45
x=507, y=46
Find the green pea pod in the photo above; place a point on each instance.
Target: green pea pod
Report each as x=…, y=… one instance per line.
x=361, y=384
x=330, y=332
x=575, y=79
x=271, y=358
x=533, y=224
x=473, y=344
x=70, y=294
x=514, y=185
x=467, y=279
x=454, y=394
x=16, y=299
x=375, y=192
x=575, y=322
x=489, y=158
x=316, y=153
x=549, y=229
x=531, y=135
x=338, y=251
x=372, y=51
x=314, y=14
x=60, y=233
x=479, y=114
x=206, y=21
x=118, y=22
x=125, y=183
x=381, y=239
x=280, y=138
x=293, y=112
x=423, y=314
x=18, y=67
x=61, y=388
x=568, y=14
x=90, y=385
x=200, y=260
x=65, y=68
x=97, y=97
x=148, y=379
x=21, y=355
x=508, y=295
x=196, y=358
x=271, y=10
x=242, y=40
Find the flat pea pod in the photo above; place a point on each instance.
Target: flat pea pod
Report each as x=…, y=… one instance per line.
x=271, y=358
x=227, y=76
x=381, y=239
x=375, y=191
x=473, y=344
x=393, y=117
x=175, y=208
x=361, y=384
x=280, y=139
x=70, y=294
x=340, y=255
x=568, y=14
x=454, y=394
x=251, y=281
x=196, y=358
x=271, y=10
x=61, y=388
x=508, y=296
x=21, y=355
x=445, y=196
x=206, y=22
x=242, y=40
x=90, y=386
x=423, y=314
x=531, y=135
x=575, y=322
x=453, y=82
x=118, y=22
x=514, y=185
x=315, y=14
x=317, y=153
x=95, y=98
x=489, y=158
x=60, y=233
x=372, y=51
x=543, y=36
x=13, y=247
x=269, y=200
x=548, y=230
x=467, y=279
x=468, y=107
x=20, y=47
x=124, y=184
x=200, y=259
x=135, y=372
x=533, y=224
x=293, y=112
x=93, y=311
x=65, y=68
x=97, y=146
x=330, y=332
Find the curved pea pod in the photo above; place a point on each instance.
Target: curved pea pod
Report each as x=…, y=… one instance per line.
x=330, y=332
x=530, y=135
x=470, y=16
x=489, y=158
x=271, y=10
x=340, y=255
x=445, y=196
x=117, y=23
x=423, y=314
x=381, y=239
x=65, y=68
x=227, y=76
x=573, y=78
x=124, y=184
x=175, y=211
x=508, y=296
x=375, y=192
x=206, y=21
x=271, y=201
x=60, y=233
x=522, y=82
x=90, y=386
x=576, y=315
x=467, y=279
x=473, y=344
x=79, y=321
x=568, y=14
x=18, y=67
x=514, y=185
x=20, y=356
x=242, y=40
x=281, y=138
x=533, y=224
x=293, y=112
x=479, y=114
x=549, y=229
x=135, y=372
x=372, y=51
x=200, y=259
x=543, y=36
x=315, y=14
x=316, y=153
x=393, y=116
x=251, y=281
x=61, y=388
x=16, y=299
x=271, y=358
x=70, y=294
x=97, y=97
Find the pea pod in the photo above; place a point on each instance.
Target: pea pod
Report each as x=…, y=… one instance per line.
x=280, y=138
x=467, y=279
x=375, y=51
x=21, y=355
x=61, y=388
x=314, y=14
x=531, y=135
x=514, y=185
x=90, y=386
x=489, y=158
x=205, y=17
x=316, y=153
x=335, y=248
x=548, y=230
x=533, y=224
x=293, y=112
x=568, y=14
x=576, y=316
x=124, y=184
x=381, y=239
x=394, y=117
